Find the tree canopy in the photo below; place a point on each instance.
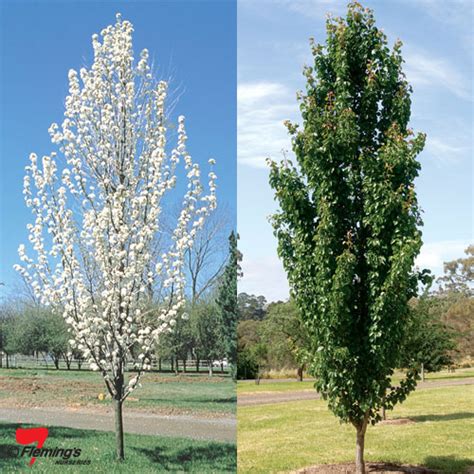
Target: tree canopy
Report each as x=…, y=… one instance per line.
x=348, y=228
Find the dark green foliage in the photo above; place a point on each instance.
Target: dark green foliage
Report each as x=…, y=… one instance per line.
x=251, y=306
x=247, y=367
x=349, y=226
x=286, y=335
x=206, y=326
x=428, y=340
x=33, y=329
x=227, y=302
x=248, y=337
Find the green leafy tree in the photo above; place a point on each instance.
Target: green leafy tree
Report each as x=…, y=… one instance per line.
x=206, y=326
x=456, y=298
x=251, y=306
x=227, y=303
x=348, y=229
x=289, y=344
x=429, y=343
x=248, y=336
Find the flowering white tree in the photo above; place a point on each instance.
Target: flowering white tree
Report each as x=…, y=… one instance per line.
x=98, y=215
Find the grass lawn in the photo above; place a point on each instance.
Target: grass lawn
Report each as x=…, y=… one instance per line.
x=286, y=436
x=143, y=454
x=249, y=386
x=214, y=396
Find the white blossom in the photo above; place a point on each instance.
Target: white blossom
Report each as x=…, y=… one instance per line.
x=97, y=212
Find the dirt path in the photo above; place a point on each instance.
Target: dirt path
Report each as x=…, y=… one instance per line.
x=266, y=398
x=222, y=429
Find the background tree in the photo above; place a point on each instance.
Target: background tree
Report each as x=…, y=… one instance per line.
x=348, y=230
x=227, y=302
x=429, y=343
x=286, y=336
x=251, y=306
x=205, y=260
x=96, y=219
x=248, y=336
x=207, y=328
x=455, y=299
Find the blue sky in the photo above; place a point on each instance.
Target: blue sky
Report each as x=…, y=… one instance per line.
x=193, y=43
x=272, y=48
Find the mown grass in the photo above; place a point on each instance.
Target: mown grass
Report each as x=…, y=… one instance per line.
x=187, y=393
x=143, y=454
x=249, y=386
x=286, y=436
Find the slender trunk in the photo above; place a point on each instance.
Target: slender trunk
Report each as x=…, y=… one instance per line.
x=159, y=364
x=1, y=360
x=210, y=368
x=56, y=362
x=422, y=372
x=8, y=362
x=360, y=438
x=176, y=365
x=300, y=374
x=119, y=430
x=197, y=365
x=184, y=365
x=172, y=364
x=222, y=367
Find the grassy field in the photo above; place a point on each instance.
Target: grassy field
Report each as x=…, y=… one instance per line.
x=187, y=394
x=143, y=454
x=249, y=386
x=286, y=436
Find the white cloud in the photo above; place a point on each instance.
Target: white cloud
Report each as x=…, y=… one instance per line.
x=453, y=12
x=262, y=108
x=317, y=9
x=444, y=152
x=264, y=276
x=424, y=70
x=434, y=254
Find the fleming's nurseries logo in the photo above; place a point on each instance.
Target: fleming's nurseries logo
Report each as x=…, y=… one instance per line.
x=37, y=436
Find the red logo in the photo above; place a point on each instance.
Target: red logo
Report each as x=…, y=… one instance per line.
x=32, y=435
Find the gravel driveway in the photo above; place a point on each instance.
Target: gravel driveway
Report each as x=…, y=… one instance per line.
x=220, y=429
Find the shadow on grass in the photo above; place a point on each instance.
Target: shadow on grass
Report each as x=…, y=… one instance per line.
x=220, y=457
x=58, y=433
x=447, y=417
x=449, y=463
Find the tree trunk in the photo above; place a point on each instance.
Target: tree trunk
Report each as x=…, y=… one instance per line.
x=184, y=365
x=56, y=362
x=210, y=368
x=300, y=374
x=119, y=430
x=222, y=367
x=422, y=372
x=197, y=365
x=8, y=362
x=360, y=438
x=159, y=364
x=172, y=364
